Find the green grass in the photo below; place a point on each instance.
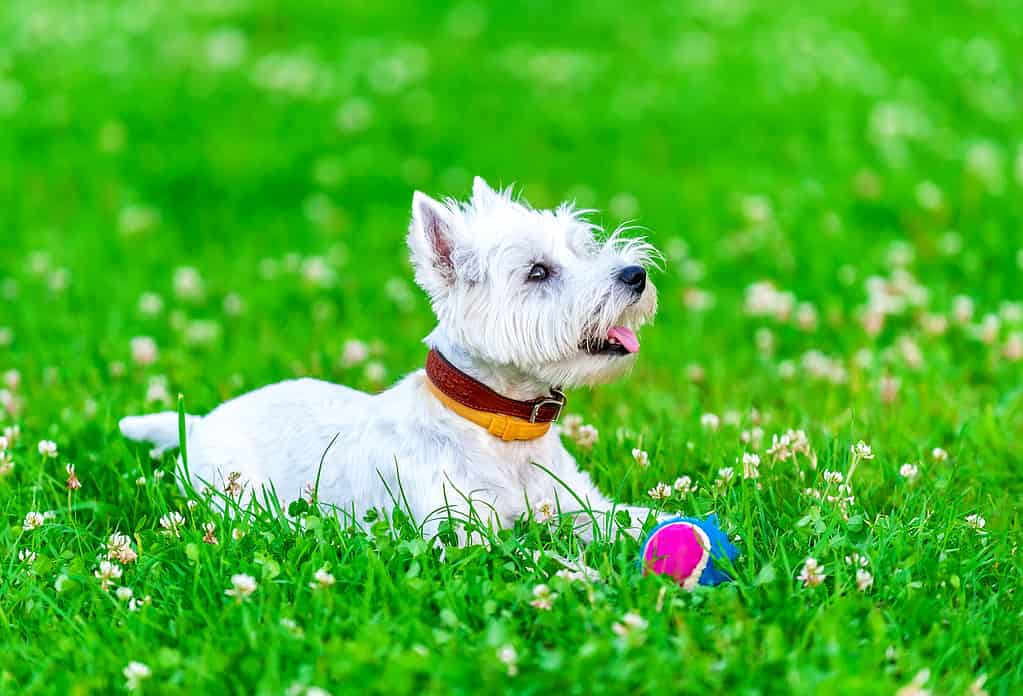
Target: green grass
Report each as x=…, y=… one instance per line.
x=262, y=142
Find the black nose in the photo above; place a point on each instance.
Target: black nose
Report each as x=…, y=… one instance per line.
x=634, y=277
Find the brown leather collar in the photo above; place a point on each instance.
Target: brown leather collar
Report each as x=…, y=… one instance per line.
x=475, y=395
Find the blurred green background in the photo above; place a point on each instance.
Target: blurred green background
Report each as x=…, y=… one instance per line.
x=775, y=139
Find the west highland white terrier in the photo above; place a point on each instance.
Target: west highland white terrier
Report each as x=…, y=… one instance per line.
x=528, y=302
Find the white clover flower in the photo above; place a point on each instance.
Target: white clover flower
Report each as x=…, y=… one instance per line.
x=684, y=485
x=545, y=511
x=353, y=352
x=242, y=586
x=976, y=522
x=134, y=604
x=864, y=580
x=632, y=627
x=507, y=655
x=962, y=308
x=157, y=391
x=781, y=447
x=134, y=674
x=27, y=556
x=188, y=283
x=725, y=476
x=586, y=574
x=202, y=332
x=291, y=625
x=916, y=686
x=660, y=491
x=322, y=579
x=988, y=329
x=812, y=573
x=172, y=523
x=107, y=573
x=143, y=350
x=150, y=304
x=124, y=593
x=119, y=548
x=861, y=450
x=750, y=465
x=73, y=484
x=233, y=304
x=225, y=48
x=833, y=477
x=233, y=486
x=754, y=437
x=33, y=520
x=543, y=598
x=976, y=687
x=237, y=533
x=48, y=449
x=641, y=457
x=856, y=559
x=316, y=271
x=1013, y=350
x=909, y=472
x=934, y=324
x=209, y=533
x=939, y=455
x=375, y=371
x=888, y=389
x=587, y=436
x=570, y=425
x=136, y=218
x=355, y=114
x=806, y=316
x=710, y=421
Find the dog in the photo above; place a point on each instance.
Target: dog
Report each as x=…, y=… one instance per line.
x=528, y=302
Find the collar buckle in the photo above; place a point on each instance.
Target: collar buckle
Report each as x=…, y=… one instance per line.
x=557, y=398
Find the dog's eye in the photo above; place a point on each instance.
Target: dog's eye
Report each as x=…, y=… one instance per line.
x=538, y=272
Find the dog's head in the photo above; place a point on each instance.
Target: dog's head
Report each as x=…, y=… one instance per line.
x=537, y=292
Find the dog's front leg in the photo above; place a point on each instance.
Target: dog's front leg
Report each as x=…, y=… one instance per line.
x=594, y=513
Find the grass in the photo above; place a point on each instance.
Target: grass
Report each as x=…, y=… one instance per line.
x=274, y=147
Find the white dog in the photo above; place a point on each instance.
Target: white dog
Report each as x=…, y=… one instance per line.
x=527, y=302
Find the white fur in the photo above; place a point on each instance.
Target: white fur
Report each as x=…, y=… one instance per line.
x=403, y=447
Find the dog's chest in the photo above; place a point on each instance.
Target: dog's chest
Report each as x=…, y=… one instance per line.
x=515, y=466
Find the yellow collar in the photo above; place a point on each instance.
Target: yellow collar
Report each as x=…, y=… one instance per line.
x=505, y=427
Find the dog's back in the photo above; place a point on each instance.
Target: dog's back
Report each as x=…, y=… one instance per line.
x=240, y=434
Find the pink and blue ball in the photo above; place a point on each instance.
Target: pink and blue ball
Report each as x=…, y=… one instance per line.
x=691, y=550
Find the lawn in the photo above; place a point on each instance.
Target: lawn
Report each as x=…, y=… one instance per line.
x=205, y=197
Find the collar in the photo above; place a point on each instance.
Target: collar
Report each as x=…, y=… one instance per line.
x=508, y=419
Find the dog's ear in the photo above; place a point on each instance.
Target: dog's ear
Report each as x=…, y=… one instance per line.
x=482, y=194
x=431, y=240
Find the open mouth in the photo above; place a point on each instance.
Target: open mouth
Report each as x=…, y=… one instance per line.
x=620, y=340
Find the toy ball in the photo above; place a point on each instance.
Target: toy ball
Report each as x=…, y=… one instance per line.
x=690, y=550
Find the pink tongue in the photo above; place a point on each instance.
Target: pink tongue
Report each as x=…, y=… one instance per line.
x=624, y=336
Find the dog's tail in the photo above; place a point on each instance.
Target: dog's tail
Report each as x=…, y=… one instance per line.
x=159, y=428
